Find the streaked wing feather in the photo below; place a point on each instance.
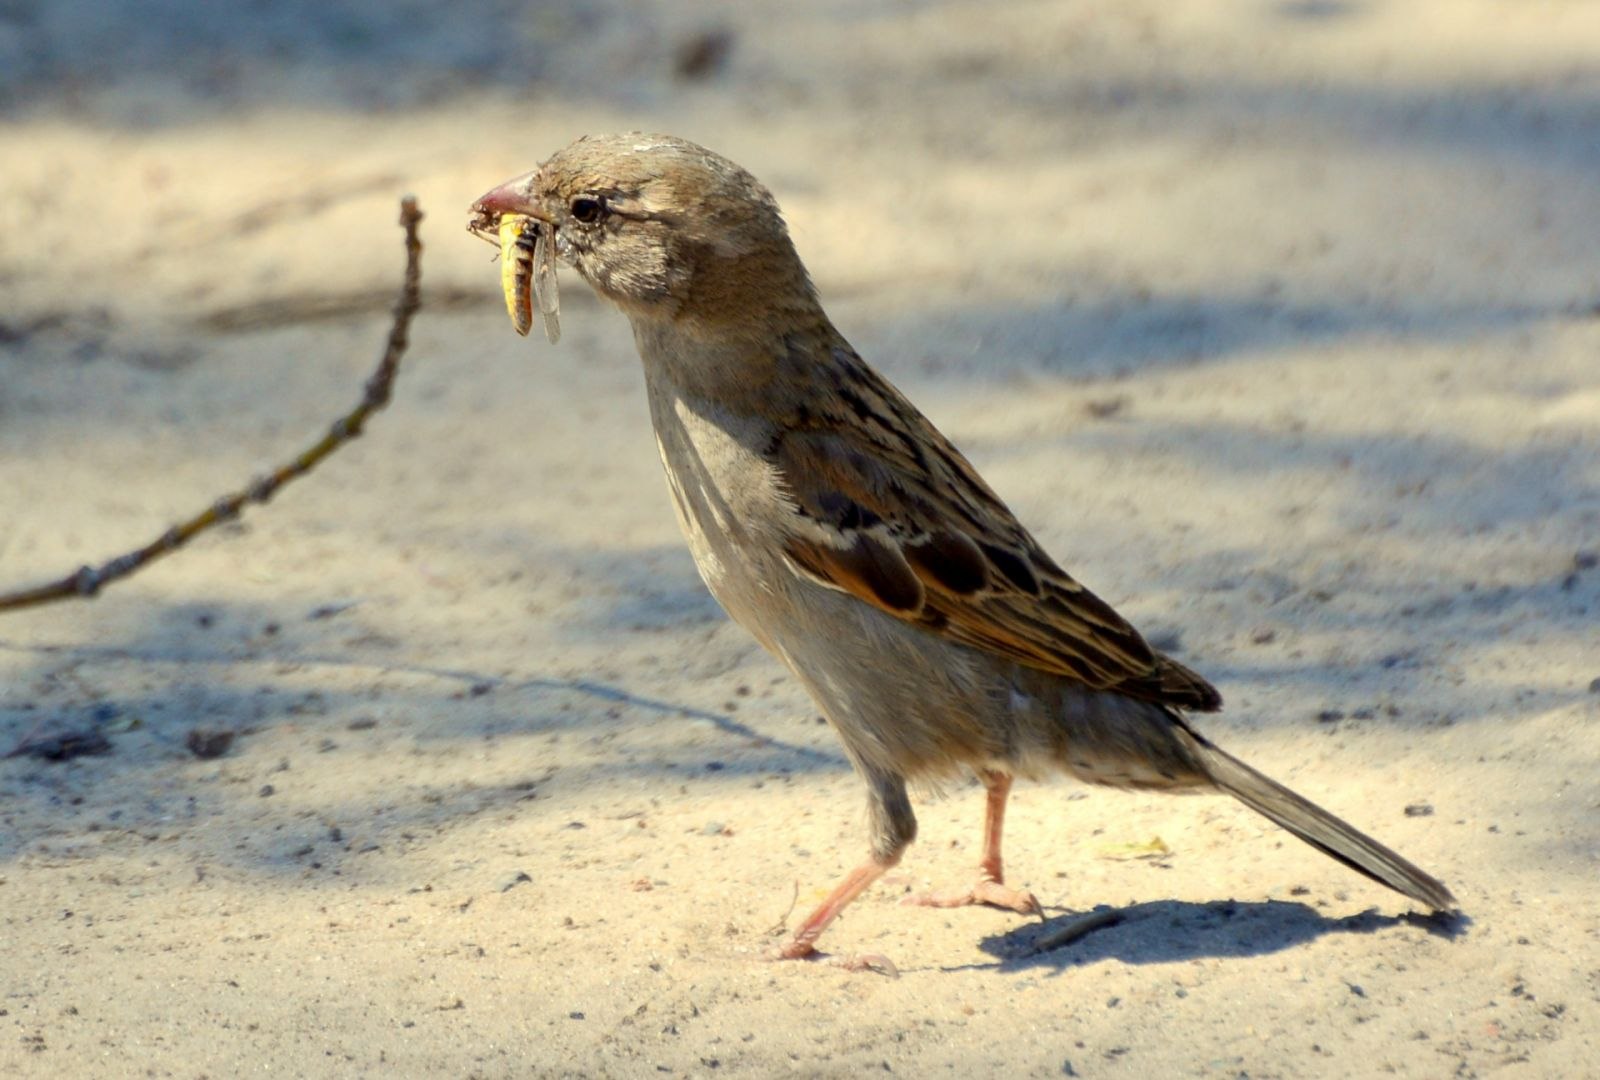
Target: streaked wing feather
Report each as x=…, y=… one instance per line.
x=890, y=512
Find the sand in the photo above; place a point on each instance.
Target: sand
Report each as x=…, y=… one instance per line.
x=1278, y=323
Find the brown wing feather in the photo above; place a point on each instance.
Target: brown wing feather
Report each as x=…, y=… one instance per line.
x=890, y=512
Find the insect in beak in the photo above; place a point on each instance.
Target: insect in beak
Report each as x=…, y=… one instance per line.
x=528, y=271
x=527, y=254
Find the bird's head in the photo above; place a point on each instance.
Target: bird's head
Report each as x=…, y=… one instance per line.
x=661, y=226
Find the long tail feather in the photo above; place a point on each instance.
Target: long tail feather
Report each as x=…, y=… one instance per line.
x=1319, y=828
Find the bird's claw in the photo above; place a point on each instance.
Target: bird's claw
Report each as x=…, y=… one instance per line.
x=795, y=949
x=985, y=891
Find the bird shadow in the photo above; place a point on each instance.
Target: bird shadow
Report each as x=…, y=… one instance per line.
x=1168, y=931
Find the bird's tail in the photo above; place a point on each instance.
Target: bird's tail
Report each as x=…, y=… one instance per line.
x=1319, y=828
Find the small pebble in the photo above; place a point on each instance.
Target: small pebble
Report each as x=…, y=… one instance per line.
x=1166, y=640
x=702, y=55
x=208, y=742
x=1105, y=408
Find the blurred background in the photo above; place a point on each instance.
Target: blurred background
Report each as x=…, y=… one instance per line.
x=1278, y=321
x=1046, y=153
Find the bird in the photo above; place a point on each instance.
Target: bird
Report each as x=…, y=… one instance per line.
x=835, y=523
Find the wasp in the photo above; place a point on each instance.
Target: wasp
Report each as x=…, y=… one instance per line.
x=527, y=268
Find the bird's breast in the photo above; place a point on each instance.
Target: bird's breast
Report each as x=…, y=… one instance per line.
x=728, y=502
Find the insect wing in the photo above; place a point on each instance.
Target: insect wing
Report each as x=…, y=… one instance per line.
x=544, y=282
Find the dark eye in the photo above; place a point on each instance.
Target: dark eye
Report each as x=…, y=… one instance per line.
x=588, y=209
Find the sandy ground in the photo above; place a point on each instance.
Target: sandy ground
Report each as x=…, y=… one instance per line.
x=1278, y=322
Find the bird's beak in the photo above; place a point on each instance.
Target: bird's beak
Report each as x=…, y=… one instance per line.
x=518, y=196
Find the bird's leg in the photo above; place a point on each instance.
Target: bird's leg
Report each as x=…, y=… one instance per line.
x=894, y=826
x=804, y=941
x=990, y=888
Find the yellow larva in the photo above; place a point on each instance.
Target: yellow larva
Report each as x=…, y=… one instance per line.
x=528, y=271
x=518, y=244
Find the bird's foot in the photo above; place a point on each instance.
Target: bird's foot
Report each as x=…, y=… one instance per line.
x=984, y=891
x=795, y=949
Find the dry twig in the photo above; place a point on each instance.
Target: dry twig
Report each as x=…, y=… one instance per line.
x=87, y=581
x=1074, y=929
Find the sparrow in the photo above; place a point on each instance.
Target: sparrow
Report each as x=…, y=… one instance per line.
x=837, y=525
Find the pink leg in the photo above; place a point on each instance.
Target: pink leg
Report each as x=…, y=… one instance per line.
x=892, y=826
x=804, y=942
x=990, y=888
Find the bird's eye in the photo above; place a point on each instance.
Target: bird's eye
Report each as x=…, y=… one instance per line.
x=588, y=209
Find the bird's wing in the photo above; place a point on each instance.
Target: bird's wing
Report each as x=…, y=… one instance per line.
x=887, y=510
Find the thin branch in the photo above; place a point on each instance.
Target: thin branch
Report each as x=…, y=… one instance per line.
x=87, y=581
x=1073, y=929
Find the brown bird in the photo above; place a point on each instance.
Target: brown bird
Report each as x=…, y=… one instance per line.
x=834, y=522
